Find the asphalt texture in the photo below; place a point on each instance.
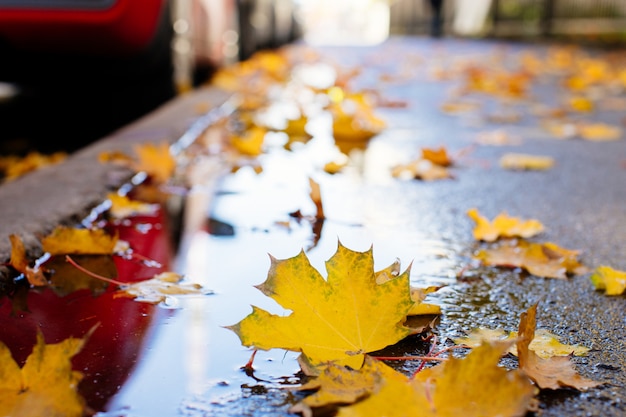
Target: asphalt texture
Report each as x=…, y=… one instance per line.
x=581, y=201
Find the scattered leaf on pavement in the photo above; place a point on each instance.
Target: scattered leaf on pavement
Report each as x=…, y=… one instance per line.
x=473, y=386
x=67, y=240
x=503, y=226
x=526, y=162
x=421, y=169
x=611, y=280
x=156, y=160
x=251, y=142
x=13, y=167
x=544, y=344
x=541, y=259
x=551, y=373
x=334, y=320
x=437, y=156
x=599, y=132
x=123, y=207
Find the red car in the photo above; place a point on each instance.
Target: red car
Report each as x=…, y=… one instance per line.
x=86, y=67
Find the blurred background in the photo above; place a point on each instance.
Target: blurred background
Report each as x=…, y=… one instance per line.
x=73, y=71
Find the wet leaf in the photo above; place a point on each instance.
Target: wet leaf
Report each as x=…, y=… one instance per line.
x=503, y=226
x=123, y=207
x=526, y=162
x=544, y=344
x=66, y=278
x=155, y=160
x=496, y=138
x=599, y=132
x=453, y=107
x=19, y=261
x=611, y=280
x=334, y=320
x=421, y=169
x=156, y=290
x=541, y=259
x=67, y=240
x=343, y=385
x=473, y=386
x=438, y=156
x=14, y=167
x=581, y=104
x=551, y=373
x=251, y=142
x=46, y=385
x=354, y=119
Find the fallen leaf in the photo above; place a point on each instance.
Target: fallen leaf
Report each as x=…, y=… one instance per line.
x=251, y=142
x=522, y=161
x=14, y=167
x=123, y=207
x=354, y=119
x=437, y=156
x=155, y=160
x=453, y=107
x=66, y=278
x=46, y=385
x=473, y=386
x=541, y=259
x=544, y=344
x=609, y=279
x=342, y=385
x=581, y=104
x=19, y=262
x=599, y=132
x=159, y=288
x=421, y=169
x=551, y=373
x=334, y=320
x=503, y=226
x=316, y=197
x=67, y=240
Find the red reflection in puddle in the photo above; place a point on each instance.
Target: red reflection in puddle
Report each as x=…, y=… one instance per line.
x=112, y=351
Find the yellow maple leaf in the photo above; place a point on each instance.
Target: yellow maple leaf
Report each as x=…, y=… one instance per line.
x=156, y=160
x=503, y=226
x=522, y=161
x=123, y=207
x=66, y=240
x=551, y=373
x=609, y=279
x=46, y=385
x=157, y=289
x=474, y=386
x=334, y=320
x=541, y=259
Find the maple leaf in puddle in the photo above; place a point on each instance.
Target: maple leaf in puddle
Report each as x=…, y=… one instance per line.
x=46, y=385
x=334, y=320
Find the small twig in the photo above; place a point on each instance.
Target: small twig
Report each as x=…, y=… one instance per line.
x=430, y=355
x=410, y=358
x=248, y=366
x=92, y=274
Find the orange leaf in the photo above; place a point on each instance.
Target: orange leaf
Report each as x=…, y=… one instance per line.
x=551, y=373
x=19, y=261
x=155, y=160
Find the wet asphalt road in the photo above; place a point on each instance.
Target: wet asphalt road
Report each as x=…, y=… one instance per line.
x=581, y=201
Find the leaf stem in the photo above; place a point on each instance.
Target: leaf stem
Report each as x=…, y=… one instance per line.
x=92, y=274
